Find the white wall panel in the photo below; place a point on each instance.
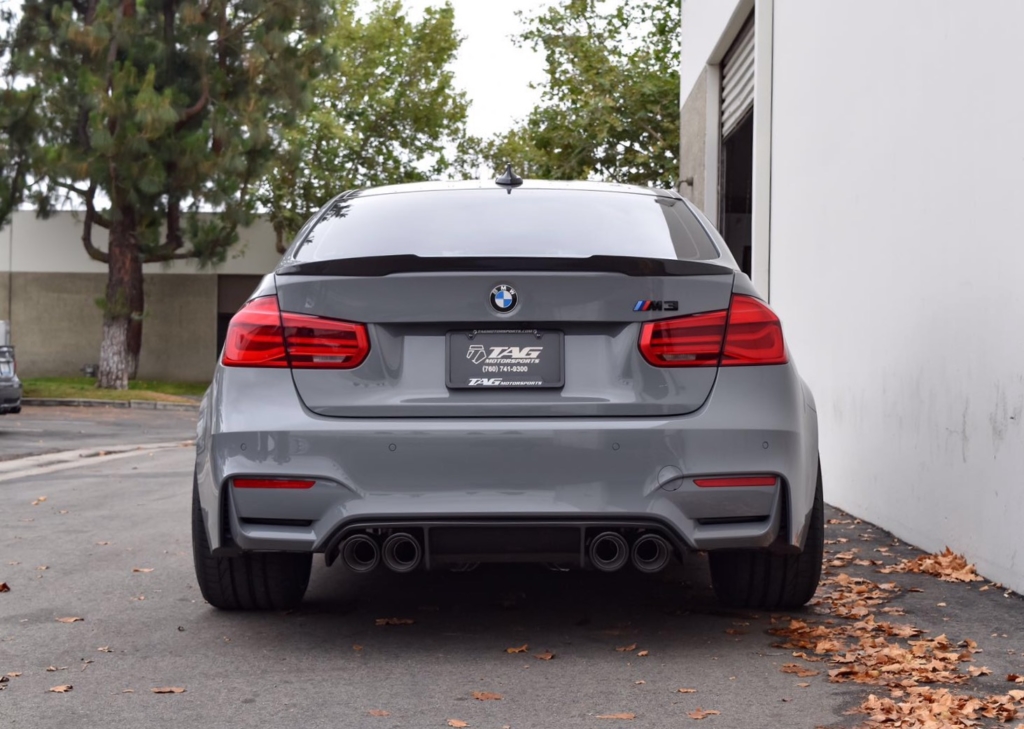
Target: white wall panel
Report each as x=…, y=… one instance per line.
x=54, y=245
x=897, y=260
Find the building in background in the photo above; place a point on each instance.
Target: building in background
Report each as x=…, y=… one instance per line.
x=49, y=287
x=865, y=162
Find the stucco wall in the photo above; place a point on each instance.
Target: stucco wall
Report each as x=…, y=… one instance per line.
x=897, y=256
x=52, y=287
x=693, y=133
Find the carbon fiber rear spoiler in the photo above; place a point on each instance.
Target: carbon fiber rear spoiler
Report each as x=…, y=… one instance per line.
x=387, y=265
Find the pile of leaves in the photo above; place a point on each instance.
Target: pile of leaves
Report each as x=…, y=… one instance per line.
x=947, y=566
x=858, y=642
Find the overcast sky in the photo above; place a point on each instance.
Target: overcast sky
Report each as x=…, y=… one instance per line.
x=490, y=69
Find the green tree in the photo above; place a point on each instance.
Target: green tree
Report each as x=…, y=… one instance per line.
x=389, y=114
x=610, y=102
x=19, y=124
x=156, y=111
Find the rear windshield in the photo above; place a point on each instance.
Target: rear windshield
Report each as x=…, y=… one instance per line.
x=527, y=223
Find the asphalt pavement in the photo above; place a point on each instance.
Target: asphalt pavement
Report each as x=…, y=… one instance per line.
x=41, y=430
x=110, y=544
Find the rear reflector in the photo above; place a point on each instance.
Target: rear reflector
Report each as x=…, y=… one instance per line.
x=260, y=335
x=736, y=481
x=748, y=333
x=271, y=483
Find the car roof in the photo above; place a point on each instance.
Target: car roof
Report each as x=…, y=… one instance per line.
x=528, y=184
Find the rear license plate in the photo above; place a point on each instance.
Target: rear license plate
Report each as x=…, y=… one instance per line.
x=499, y=358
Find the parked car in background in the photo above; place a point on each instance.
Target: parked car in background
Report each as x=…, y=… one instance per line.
x=10, y=385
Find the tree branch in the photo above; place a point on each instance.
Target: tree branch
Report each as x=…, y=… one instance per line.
x=90, y=217
x=191, y=112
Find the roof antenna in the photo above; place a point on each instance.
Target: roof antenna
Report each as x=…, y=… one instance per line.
x=509, y=179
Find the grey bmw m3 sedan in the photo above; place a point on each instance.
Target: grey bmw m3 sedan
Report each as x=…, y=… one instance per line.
x=445, y=374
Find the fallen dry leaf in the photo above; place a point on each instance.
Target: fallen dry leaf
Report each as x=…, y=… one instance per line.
x=142, y=569
x=521, y=649
x=53, y=669
x=798, y=670
x=13, y=674
x=4, y=587
x=735, y=631
x=356, y=647
x=700, y=713
x=625, y=715
x=168, y=690
x=643, y=654
x=546, y=656
x=70, y=620
x=979, y=671
x=378, y=712
x=803, y=685
x=62, y=689
x=626, y=648
x=686, y=691
x=1014, y=678
x=38, y=501
x=103, y=544
x=487, y=696
x=393, y=621
x=63, y=511
x=457, y=723
x=641, y=682
x=947, y=566
x=42, y=567
x=104, y=649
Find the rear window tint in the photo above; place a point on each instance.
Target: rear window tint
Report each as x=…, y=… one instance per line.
x=527, y=223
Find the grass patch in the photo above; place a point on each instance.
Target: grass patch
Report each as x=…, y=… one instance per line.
x=85, y=388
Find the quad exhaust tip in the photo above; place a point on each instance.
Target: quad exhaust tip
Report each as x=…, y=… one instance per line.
x=402, y=553
x=360, y=553
x=609, y=551
x=651, y=553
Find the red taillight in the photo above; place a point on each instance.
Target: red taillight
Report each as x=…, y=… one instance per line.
x=689, y=341
x=748, y=333
x=754, y=336
x=272, y=483
x=735, y=481
x=260, y=335
x=254, y=336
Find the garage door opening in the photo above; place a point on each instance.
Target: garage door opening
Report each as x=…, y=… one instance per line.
x=736, y=204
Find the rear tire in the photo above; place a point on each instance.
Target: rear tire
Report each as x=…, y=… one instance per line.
x=253, y=581
x=756, y=578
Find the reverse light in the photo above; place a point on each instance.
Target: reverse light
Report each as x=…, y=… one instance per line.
x=272, y=483
x=260, y=335
x=748, y=333
x=735, y=481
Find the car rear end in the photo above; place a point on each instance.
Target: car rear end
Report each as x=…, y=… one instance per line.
x=10, y=385
x=442, y=375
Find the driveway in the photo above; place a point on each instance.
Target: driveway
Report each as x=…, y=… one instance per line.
x=110, y=545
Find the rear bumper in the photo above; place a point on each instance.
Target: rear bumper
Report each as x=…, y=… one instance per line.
x=526, y=471
x=10, y=398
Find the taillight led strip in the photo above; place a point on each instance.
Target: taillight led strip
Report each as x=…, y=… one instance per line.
x=747, y=333
x=735, y=481
x=261, y=335
x=272, y=483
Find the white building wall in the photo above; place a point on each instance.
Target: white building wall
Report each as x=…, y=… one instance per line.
x=54, y=245
x=704, y=23
x=897, y=260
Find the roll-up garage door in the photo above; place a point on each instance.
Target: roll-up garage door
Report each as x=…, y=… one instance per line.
x=738, y=79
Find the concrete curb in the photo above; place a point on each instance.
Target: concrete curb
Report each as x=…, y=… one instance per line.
x=86, y=403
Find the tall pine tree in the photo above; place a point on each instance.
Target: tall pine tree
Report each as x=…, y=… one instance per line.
x=157, y=111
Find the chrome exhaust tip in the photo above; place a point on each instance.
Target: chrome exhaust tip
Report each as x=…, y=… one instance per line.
x=360, y=553
x=402, y=553
x=651, y=553
x=609, y=551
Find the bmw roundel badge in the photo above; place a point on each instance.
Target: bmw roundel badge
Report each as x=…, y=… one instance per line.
x=504, y=298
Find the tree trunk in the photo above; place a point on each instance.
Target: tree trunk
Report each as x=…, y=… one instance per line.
x=124, y=301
